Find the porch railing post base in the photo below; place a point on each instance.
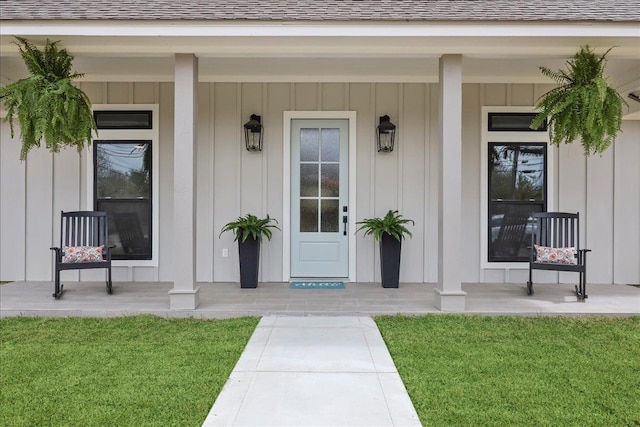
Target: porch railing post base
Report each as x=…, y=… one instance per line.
x=184, y=299
x=450, y=301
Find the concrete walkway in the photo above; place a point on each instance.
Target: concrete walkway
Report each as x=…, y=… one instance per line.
x=314, y=371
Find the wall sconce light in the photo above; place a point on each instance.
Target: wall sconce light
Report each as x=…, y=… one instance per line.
x=386, y=135
x=253, y=133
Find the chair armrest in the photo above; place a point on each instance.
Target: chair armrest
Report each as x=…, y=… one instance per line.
x=582, y=255
x=58, y=253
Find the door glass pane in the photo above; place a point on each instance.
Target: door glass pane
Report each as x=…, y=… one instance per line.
x=309, y=215
x=330, y=145
x=309, y=180
x=330, y=216
x=123, y=170
x=330, y=180
x=309, y=145
x=517, y=171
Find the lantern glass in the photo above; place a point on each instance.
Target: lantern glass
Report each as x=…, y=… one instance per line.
x=386, y=135
x=253, y=134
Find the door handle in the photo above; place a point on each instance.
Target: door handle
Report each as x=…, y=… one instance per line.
x=344, y=223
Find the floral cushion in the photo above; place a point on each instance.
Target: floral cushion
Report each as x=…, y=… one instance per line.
x=556, y=255
x=82, y=253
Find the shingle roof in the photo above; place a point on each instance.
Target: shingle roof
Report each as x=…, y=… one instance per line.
x=324, y=10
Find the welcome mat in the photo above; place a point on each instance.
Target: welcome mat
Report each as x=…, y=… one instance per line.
x=317, y=285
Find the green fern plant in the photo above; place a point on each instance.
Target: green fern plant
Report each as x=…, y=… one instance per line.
x=583, y=106
x=393, y=224
x=48, y=106
x=250, y=225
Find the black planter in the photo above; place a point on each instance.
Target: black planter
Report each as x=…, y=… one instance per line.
x=390, y=260
x=249, y=262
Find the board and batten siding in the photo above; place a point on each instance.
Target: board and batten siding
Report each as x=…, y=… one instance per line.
x=232, y=182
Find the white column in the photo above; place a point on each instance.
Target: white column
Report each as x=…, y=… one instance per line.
x=184, y=295
x=449, y=295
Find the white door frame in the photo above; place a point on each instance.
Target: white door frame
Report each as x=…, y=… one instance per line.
x=286, y=181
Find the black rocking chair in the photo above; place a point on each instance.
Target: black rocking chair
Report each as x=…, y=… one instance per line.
x=82, y=229
x=558, y=230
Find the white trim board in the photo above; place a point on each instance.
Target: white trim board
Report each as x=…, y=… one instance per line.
x=306, y=29
x=146, y=134
x=286, y=184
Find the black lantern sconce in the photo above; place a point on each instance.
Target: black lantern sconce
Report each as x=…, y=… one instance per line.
x=253, y=134
x=386, y=135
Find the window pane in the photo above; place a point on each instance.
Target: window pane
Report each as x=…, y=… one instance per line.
x=513, y=122
x=129, y=225
x=517, y=171
x=123, y=119
x=330, y=216
x=309, y=145
x=123, y=169
x=330, y=180
x=330, y=145
x=309, y=180
x=510, y=230
x=309, y=215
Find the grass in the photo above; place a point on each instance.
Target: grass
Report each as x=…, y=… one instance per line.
x=129, y=371
x=518, y=371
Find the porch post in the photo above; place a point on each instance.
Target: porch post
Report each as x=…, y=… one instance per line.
x=184, y=295
x=449, y=295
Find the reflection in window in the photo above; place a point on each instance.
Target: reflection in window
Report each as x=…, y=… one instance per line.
x=123, y=169
x=517, y=190
x=517, y=171
x=122, y=188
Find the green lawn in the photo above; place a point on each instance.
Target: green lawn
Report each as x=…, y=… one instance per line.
x=129, y=371
x=518, y=371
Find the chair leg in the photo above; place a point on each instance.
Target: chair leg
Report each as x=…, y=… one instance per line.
x=109, y=285
x=58, y=287
x=530, y=283
x=581, y=289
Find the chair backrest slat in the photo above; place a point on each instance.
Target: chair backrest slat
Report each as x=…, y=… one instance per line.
x=83, y=228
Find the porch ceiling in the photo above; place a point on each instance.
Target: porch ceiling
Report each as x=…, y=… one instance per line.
x=292, y=52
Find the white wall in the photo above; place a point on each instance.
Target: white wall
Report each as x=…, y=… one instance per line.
x=232, y=182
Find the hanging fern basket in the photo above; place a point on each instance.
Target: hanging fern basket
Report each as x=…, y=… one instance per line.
x=583, y=106
x=48, y=106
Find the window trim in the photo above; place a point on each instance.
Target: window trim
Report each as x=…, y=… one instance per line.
x=152, y=135
x=505, y=137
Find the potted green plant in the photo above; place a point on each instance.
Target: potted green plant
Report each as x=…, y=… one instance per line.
x=248, y=231
x=389, y=231
x=583, y=105
x=46, y=103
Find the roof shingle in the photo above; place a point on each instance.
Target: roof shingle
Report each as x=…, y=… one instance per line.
x=324, y=10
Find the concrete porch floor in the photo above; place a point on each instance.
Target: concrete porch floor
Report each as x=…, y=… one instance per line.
x=224, y=300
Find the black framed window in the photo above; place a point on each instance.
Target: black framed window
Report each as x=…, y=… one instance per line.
x=517, y=189
x=513, y=122
x=122, y=187
x=128, y=119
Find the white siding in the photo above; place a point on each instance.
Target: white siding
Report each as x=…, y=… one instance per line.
x=232, y=182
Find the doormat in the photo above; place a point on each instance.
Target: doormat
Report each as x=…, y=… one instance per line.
x=317, y=285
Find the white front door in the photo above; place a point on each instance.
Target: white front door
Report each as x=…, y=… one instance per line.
x=319, y=198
